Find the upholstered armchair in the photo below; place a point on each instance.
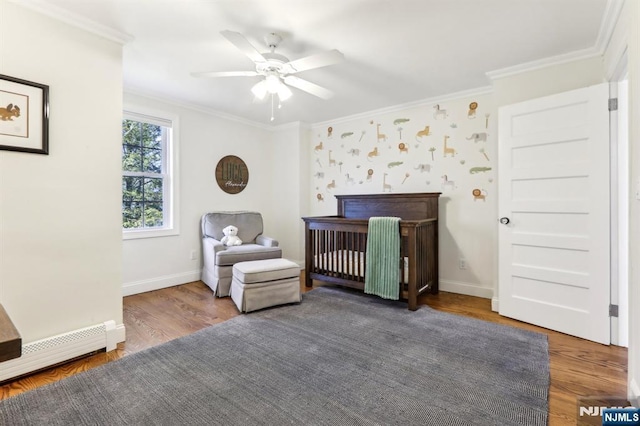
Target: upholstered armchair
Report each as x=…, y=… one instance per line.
x=218, y=260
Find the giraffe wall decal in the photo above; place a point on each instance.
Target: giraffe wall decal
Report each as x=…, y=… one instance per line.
x=385, y=186
x=380, y=135
x=448, y=150
x=332, y=162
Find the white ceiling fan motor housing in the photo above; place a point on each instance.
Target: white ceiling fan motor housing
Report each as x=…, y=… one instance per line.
x=274, y=61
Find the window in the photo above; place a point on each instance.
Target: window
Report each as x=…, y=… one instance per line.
x=148, y=175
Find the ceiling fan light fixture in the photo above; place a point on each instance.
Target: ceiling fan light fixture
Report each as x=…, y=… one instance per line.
x=284, y=92
x=273, y=83
x=259, y=90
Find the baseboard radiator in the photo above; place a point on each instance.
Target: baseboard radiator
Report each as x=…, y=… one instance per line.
x=63, y=347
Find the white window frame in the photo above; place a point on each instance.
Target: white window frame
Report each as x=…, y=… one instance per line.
x=170, y=194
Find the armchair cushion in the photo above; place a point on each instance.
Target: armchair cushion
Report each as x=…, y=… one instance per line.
x=246, y=252
x=266, y=241
x=249, y=225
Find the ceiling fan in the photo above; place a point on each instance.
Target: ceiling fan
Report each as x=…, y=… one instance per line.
x=277, y=69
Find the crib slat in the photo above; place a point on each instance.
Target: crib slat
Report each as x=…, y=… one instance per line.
x=340, y=252
x=349, y=255
x=327, y=252
x=319, y=251
x=355, y=256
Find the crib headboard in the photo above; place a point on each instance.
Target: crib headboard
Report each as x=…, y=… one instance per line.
x=417, y=206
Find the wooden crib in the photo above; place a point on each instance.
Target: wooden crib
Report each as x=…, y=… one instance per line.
x=335, y=246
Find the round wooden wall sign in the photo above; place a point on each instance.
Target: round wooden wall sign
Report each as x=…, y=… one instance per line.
x=232, y=174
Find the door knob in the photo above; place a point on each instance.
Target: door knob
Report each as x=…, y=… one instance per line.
x=504, y=220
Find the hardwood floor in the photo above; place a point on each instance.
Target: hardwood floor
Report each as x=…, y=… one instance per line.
x=578, y=367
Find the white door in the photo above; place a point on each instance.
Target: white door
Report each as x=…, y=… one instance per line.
x=554, y=191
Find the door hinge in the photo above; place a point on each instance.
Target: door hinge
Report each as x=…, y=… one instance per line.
x=613, y=311
x=613, y=104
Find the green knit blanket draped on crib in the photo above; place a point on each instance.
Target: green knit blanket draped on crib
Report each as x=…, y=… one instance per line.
x=382, y=271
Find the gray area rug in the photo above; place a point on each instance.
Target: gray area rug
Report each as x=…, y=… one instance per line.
x=338, y=358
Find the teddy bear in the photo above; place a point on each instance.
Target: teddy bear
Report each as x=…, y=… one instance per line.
x=231, y=236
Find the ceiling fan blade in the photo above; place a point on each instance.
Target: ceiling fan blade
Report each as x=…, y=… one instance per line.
x=225, y=74
x=316, y=61
x=243, y=44
x=308, y=87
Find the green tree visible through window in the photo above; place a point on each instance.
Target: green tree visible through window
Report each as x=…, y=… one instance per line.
x=143, y=173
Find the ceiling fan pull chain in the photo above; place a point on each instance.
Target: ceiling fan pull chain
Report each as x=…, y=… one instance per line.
x=272, y=107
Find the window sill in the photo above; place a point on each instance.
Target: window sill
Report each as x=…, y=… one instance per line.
x=135, y=234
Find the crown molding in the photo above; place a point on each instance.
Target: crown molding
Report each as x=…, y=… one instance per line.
x=544, y=63
x=608, y=24
x=199, y=108
x=615, y=46
x=416, y=104
x=75, y=20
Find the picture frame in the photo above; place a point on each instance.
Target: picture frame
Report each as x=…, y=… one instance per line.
x=24, y=116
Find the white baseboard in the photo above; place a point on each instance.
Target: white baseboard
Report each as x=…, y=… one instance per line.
x=157, y=283
x=634, y=393
x=118, y=335
x=495, y=304
x=63, y=347
x=465, y=288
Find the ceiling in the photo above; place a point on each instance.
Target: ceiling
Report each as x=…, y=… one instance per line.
x=396, y=52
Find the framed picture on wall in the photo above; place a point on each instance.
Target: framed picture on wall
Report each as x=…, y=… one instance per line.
x=24, y=115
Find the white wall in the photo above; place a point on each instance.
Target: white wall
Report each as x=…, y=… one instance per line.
x=342, y=161
x=60, y=238
x=289, y=156
x=204, y=138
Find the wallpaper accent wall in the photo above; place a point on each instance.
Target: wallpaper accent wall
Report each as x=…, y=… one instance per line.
x=444, y=148
x=448, y=147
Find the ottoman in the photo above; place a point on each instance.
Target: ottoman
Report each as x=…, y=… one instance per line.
x=261, y=284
